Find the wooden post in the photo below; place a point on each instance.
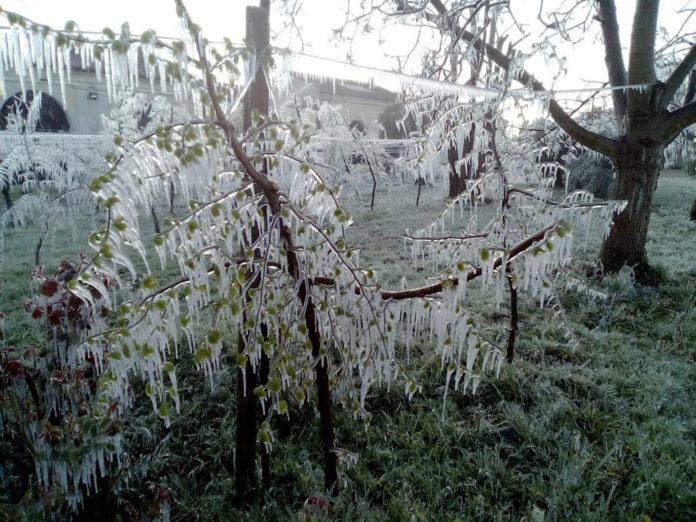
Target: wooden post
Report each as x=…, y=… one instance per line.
x=256, y=100
x=258, y=36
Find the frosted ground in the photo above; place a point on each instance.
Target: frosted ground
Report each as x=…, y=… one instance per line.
x=672, y=237
x=378, y=233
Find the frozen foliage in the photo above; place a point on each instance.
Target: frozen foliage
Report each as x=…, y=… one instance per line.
x=260, y=250
x=136, y=114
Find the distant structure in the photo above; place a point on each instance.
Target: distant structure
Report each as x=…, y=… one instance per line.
x=361, y=105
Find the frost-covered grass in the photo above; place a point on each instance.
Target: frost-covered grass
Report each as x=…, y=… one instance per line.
x=379, y=232
x=672, y=237
x=602, y=431
x=66, y=239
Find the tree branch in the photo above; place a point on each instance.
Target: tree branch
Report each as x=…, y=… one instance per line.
x=514, y=319
x=641, y=57
x=428, y=290
x=679, y=74
x=669, y=125
x=690, y=94
x=613, y=57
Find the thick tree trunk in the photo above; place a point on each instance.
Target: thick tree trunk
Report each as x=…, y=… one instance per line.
x=457, y=181
x=637, y=170
x=469, y=169
x=692, y=212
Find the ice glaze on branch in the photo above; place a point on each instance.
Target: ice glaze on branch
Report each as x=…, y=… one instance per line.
x=516, y=250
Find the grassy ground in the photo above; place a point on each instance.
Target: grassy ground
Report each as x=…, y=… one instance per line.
x=602, y=431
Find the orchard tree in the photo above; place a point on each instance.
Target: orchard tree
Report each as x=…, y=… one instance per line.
x=265, y=282
x=650, y=109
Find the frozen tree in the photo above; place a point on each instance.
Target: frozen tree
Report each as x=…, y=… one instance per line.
x=135, y=115
x=648, y=109
x=43, y=181
x=261, y=260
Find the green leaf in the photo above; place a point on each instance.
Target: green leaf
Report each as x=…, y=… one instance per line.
x=149, y=283
x=95, y=185
x=163, y=410
x=202, y=355
x=120, y=224
x=214, y=336
x=147, y=36
x=274, y=385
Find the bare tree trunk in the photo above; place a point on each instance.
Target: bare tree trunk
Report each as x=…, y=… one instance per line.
x=692, y=212
x=473, y=166
x=265, y=405
x=155, y=219
x=172, y=193
x=327, y=432
x=457, y=182
x=256, y=99
x=637, y=169
x=246, y=431
x=6, y=195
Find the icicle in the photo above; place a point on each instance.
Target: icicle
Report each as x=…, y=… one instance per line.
x=17, y=59
x=108, y=75
x=61, y=75
x=2, y=80
x=67, y=61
